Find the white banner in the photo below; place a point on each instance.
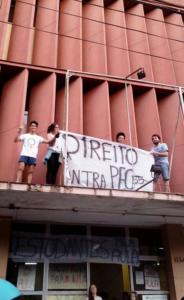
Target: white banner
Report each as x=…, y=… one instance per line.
x=96, y=163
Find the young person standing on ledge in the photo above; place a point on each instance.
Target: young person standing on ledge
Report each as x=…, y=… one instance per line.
x=54, y=155
x=160, y=154
x=120, y=137
x=29, y=151
x=92, y=295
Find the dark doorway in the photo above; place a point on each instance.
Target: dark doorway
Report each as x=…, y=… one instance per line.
x=109, y=280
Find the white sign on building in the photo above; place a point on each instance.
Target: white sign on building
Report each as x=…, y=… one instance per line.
x=154, y=297
x=97, y=163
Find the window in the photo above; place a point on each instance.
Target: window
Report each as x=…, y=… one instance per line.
x=67, y=277
x=150, y=275
x=150, y=241
x=57, y=229
x=27, y=277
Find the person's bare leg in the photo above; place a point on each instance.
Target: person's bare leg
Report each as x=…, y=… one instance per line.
x=30, y=173
x=166, y=186
x=20, y=171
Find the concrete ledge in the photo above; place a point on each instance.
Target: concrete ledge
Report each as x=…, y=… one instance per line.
x=18, y=187
x=84, y=205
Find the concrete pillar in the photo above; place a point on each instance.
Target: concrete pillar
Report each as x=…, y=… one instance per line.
x=46, y=35
x=116, y=38
x=94, y=50
x=5, y=226
x=97, y=111
x=75, y=106
x=42, y=109
x=70, y=35
x=174, y=28
x=174, y=245
x=168, y=110
x=147, y=118
x=22, y=35
x=5, y=28
x=159, y=47
x=12, y=106
x=138, y=40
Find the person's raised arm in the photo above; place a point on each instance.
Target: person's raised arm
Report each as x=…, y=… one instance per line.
x=19, y=132
x=51, y=140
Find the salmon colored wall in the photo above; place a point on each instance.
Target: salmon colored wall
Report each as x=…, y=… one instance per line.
x=119, y=114
x=21, y=42
x=75, y=106
x=174, y=28
x=117, y=59
x=168, y=111
x=94, y=54
x=162, y=67
x=138, y=41
x=70, y=35
x=46, y=38
x=42, y=109
x=147, y=118
x=4, y=12
x=177, y=2
x=97, y=112
x=12, y=106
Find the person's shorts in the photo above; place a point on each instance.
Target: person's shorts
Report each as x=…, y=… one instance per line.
x=29, y=161
x=165, y=171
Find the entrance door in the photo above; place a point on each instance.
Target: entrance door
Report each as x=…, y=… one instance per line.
x=109, y=280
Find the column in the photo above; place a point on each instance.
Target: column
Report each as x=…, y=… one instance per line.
x=173, y=236
x=5, y=29
x=42, y=109
x=75, y=106
x=138, y=40
x=5, y=230
x=70, y=35
x=147, y=117
x=119, y=113
x=12, y=106
x=175, y=32
x=168, y=112
x=116, y=38
x=94, y=49
x=46, y=35
x=159, y=47
x=97, y=111
x=22, y=35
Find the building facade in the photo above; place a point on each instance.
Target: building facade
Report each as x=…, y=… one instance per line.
x=100, y=43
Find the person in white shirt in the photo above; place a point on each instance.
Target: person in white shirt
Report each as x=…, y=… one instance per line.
x=92, y=295
x=54, y=155
x=29, y=150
